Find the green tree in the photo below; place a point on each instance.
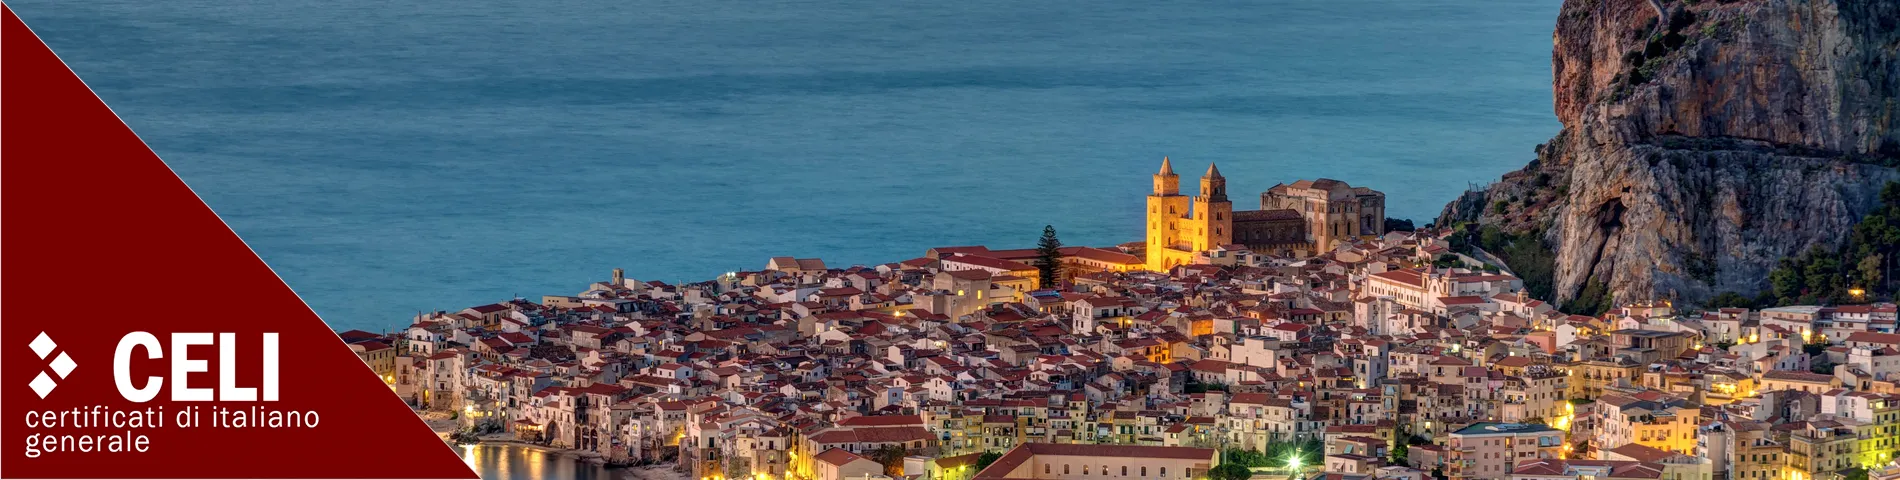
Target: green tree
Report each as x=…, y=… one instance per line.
x=1049, y=256
x=1823, y=275
x=1595, y=299
x=1399, y=225
x=1864, y=262
x=983, y=461
x=1448, y=261
x=737, y=467
x=1817, y=354
x=1308, y=452
x=891, y=456
x=1878, y=234
x=1731, y=300
x=1787, y=280
x=1871, y=271
x=1460, y=240
x=1524, y=254
x=1821, y=365
x=1856, y=473
x=1246, y=458
x=1194, y=387
x=1492, y=239
x=1399, y=450
x=1312, y=452
x=1229, y=471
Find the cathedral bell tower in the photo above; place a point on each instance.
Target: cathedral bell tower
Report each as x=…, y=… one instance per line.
x=1166, y=182
x=1167, y=223
x=1213, y=213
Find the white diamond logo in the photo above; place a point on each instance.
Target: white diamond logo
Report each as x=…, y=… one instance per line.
x=63, y=365
x=43, y=345
x=43, y=384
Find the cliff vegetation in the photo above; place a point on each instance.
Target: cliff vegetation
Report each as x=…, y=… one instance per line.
x=1703, y=143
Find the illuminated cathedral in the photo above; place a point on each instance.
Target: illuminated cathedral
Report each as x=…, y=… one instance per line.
x=1300, y=219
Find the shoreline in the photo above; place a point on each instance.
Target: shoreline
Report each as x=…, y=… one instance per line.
x=590, y=457
x=651, y=471
x=445, y=428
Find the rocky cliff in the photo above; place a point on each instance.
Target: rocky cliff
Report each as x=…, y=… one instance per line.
x=1703, y=141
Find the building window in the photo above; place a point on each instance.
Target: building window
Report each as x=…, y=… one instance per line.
x=1124, y=470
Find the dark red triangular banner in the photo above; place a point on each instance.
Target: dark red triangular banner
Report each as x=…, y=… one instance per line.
x=103, y=240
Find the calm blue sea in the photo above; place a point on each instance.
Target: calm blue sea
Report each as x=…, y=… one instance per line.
x=394, y=156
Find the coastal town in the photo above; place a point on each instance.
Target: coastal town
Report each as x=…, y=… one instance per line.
x=1304, y=339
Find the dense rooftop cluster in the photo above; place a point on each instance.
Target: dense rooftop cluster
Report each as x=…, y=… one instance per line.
x=1388, y=357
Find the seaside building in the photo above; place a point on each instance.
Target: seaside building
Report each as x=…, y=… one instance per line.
x=1049, y=461
x=1301, y=219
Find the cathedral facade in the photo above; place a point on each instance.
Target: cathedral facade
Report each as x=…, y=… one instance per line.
x=1304, y=218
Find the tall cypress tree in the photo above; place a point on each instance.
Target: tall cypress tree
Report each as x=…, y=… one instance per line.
x=1400, y=446
x=1049, y=256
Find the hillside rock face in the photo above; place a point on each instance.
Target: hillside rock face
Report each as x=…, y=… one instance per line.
x=1703, y=141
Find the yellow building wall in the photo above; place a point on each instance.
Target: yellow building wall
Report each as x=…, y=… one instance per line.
x=1678, y=436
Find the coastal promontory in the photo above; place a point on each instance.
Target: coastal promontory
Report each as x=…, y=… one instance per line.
x=1702, y=142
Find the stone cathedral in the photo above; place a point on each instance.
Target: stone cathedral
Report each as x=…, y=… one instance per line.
x=1301, y=219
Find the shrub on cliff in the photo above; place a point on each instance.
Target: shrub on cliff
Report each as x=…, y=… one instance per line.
x=1730, y=300
x=1524, y=254
x=1595, y=299
x=1527, y=257
x=1858, y=271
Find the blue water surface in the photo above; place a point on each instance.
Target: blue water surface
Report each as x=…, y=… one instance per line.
x=387, y=157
